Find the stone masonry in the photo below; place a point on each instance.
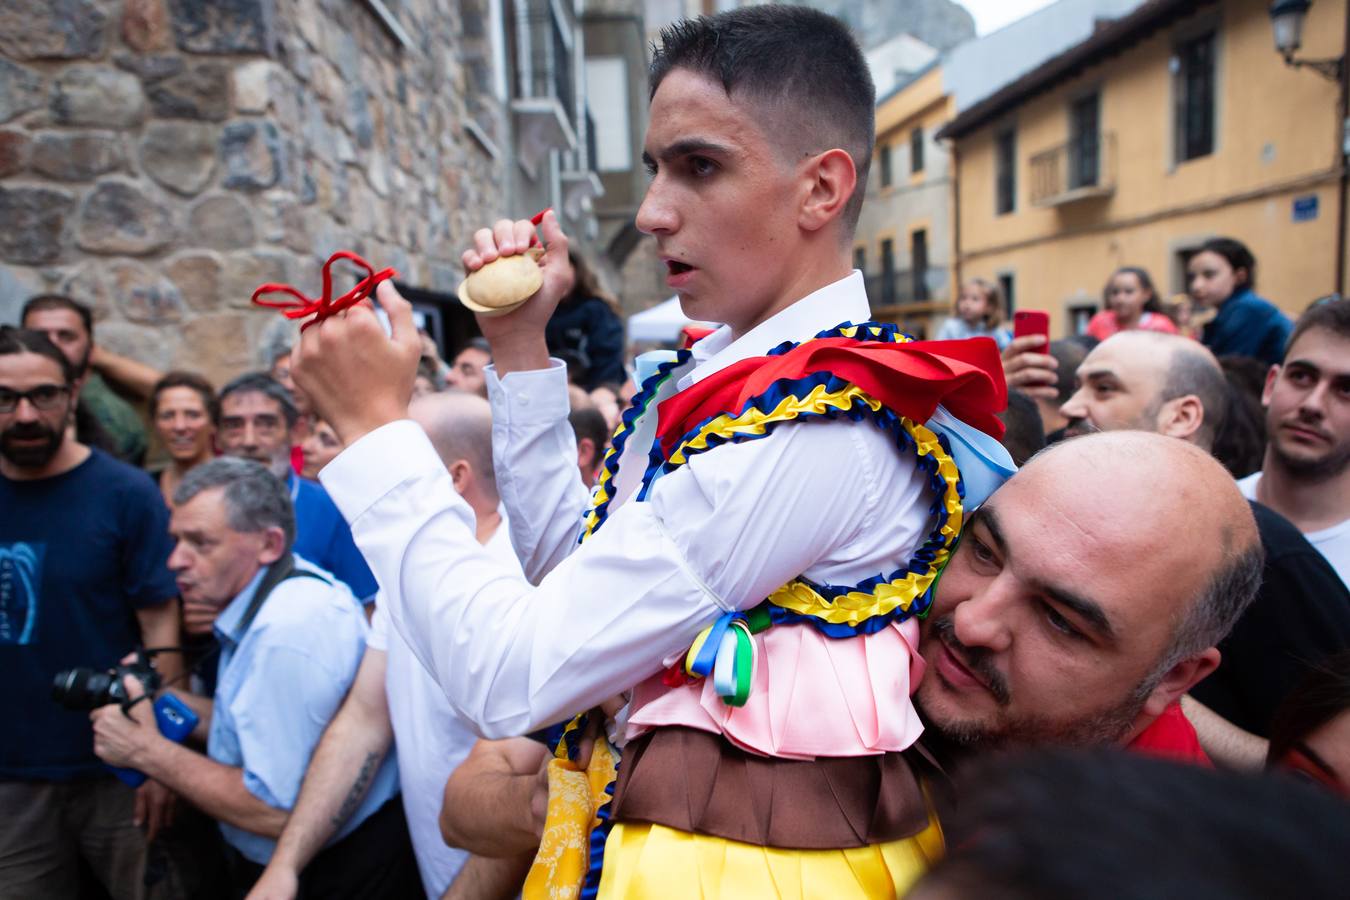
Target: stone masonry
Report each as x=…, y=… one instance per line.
x=161, y=158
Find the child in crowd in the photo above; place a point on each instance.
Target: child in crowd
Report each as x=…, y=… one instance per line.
x=979, y=313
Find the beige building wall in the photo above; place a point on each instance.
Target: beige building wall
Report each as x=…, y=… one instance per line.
x=1277, y=138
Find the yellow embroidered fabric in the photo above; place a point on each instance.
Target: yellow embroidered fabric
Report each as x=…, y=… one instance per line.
x=575, y=797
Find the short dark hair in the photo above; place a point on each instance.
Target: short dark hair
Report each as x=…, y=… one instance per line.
x=1192, y=370
x=1323, y=695
x=475, y=343
x=588, y=422
x=1209, y=617
x=255, y=499
x=1329, y=315
x=261, y=383
x=43, y=302
x=789, y=56
x=1056, y=824
x=189, y=380
x=1024, y=434
x=1069, y=353
x=26, y=340
x=1235, y=253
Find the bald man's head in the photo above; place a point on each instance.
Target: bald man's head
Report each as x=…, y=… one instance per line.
x=459, y=425
x=1088, y=593
x=1148, y=381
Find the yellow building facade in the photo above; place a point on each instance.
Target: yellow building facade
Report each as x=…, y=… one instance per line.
x=1171, y=125
x=903, y=242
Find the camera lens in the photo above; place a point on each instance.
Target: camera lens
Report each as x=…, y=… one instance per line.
x=81, y=688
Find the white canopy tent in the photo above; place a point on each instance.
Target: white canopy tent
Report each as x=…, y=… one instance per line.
x=662, y=322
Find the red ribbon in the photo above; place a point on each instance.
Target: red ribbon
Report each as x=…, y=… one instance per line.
x=325, y=305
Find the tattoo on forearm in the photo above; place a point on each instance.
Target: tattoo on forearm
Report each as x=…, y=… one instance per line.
x=358, y=790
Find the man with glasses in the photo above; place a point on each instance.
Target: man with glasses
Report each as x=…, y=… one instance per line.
x=255, y=420
x=84, y=546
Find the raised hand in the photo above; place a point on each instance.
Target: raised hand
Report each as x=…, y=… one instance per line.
x=357, y=377
x=517, y=338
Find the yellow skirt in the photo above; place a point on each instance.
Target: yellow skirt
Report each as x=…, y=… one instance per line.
x=653, y=861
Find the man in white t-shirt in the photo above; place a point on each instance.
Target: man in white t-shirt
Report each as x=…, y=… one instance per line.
x=394, y=698
x=1306, y=472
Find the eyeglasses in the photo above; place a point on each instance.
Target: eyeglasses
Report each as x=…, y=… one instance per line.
x=44, y=397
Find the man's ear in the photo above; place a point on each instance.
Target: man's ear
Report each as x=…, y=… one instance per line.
x=833, y=180
x=273, y=546
x=585, y=453
x=1180, y=679
x=1271, y=377
x=1181, y=417
x=460, y=475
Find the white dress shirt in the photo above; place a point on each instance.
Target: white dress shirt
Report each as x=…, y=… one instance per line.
x=830, y=500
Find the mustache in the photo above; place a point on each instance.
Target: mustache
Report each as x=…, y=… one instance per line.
x=25, y=431
x=1080, y=427
x=977, y=660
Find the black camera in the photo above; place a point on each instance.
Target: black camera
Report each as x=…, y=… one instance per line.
x=86, y=689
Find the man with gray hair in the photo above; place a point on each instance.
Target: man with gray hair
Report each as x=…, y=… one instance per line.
x=290, y=639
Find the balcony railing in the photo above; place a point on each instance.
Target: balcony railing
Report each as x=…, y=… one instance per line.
x=1080, y=169
x=899, y=288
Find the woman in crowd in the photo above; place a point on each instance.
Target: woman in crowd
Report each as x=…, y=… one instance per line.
x=1310, y=735
x=978, y=313
x=319, y=447
x=1130, y=301
x=1222, y=276
x=183, y=408
x=586, y=331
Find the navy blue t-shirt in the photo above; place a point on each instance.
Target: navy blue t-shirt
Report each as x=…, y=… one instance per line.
x=324, y=538
x=79, y=553
x=1248, y=325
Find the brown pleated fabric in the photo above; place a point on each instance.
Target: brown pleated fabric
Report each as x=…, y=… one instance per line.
x=696, y=781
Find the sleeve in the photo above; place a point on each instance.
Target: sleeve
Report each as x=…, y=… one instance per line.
x=346, y=562
x=712, y=537
x=146, y=579
x=276, y=741
x=947, y=331
x=534, y=456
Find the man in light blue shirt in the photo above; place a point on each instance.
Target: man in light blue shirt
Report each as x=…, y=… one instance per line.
x=290, y=642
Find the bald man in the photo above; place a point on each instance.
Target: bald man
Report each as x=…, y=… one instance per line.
x=393, y=699
x=1079, y=609
x=1174, y=386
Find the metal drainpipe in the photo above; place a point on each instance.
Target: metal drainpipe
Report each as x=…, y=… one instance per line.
x=956, y=216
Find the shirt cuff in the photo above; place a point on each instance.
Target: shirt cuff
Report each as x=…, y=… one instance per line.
x=534, y=397
x=376, y=464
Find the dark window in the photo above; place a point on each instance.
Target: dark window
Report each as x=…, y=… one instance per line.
x=860, y=259
x=1085, y=142
x=1006, y=283
x=1006, y=174
x=918, y=257
x=886, y=166
x=887, y=272
x=1194, y=93
x=916, y=150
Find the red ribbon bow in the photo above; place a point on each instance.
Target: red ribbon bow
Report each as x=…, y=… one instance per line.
x=326, y=305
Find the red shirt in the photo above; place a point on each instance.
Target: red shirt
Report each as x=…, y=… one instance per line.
x=1171, y=736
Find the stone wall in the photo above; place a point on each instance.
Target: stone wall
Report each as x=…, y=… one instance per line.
x=161, y=158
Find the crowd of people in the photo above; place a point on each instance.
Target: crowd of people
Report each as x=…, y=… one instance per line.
x=804, y=609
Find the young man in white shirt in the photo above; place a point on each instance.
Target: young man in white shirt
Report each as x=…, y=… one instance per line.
x=760, y=137
x=1306, y=473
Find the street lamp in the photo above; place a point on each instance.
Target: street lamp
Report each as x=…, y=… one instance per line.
x=1286, y=21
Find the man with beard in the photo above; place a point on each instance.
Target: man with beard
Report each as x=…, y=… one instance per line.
x=1078, y=609
x=1306, y=473
x=70, y=326
x=1174, y=386
x=83, y=579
